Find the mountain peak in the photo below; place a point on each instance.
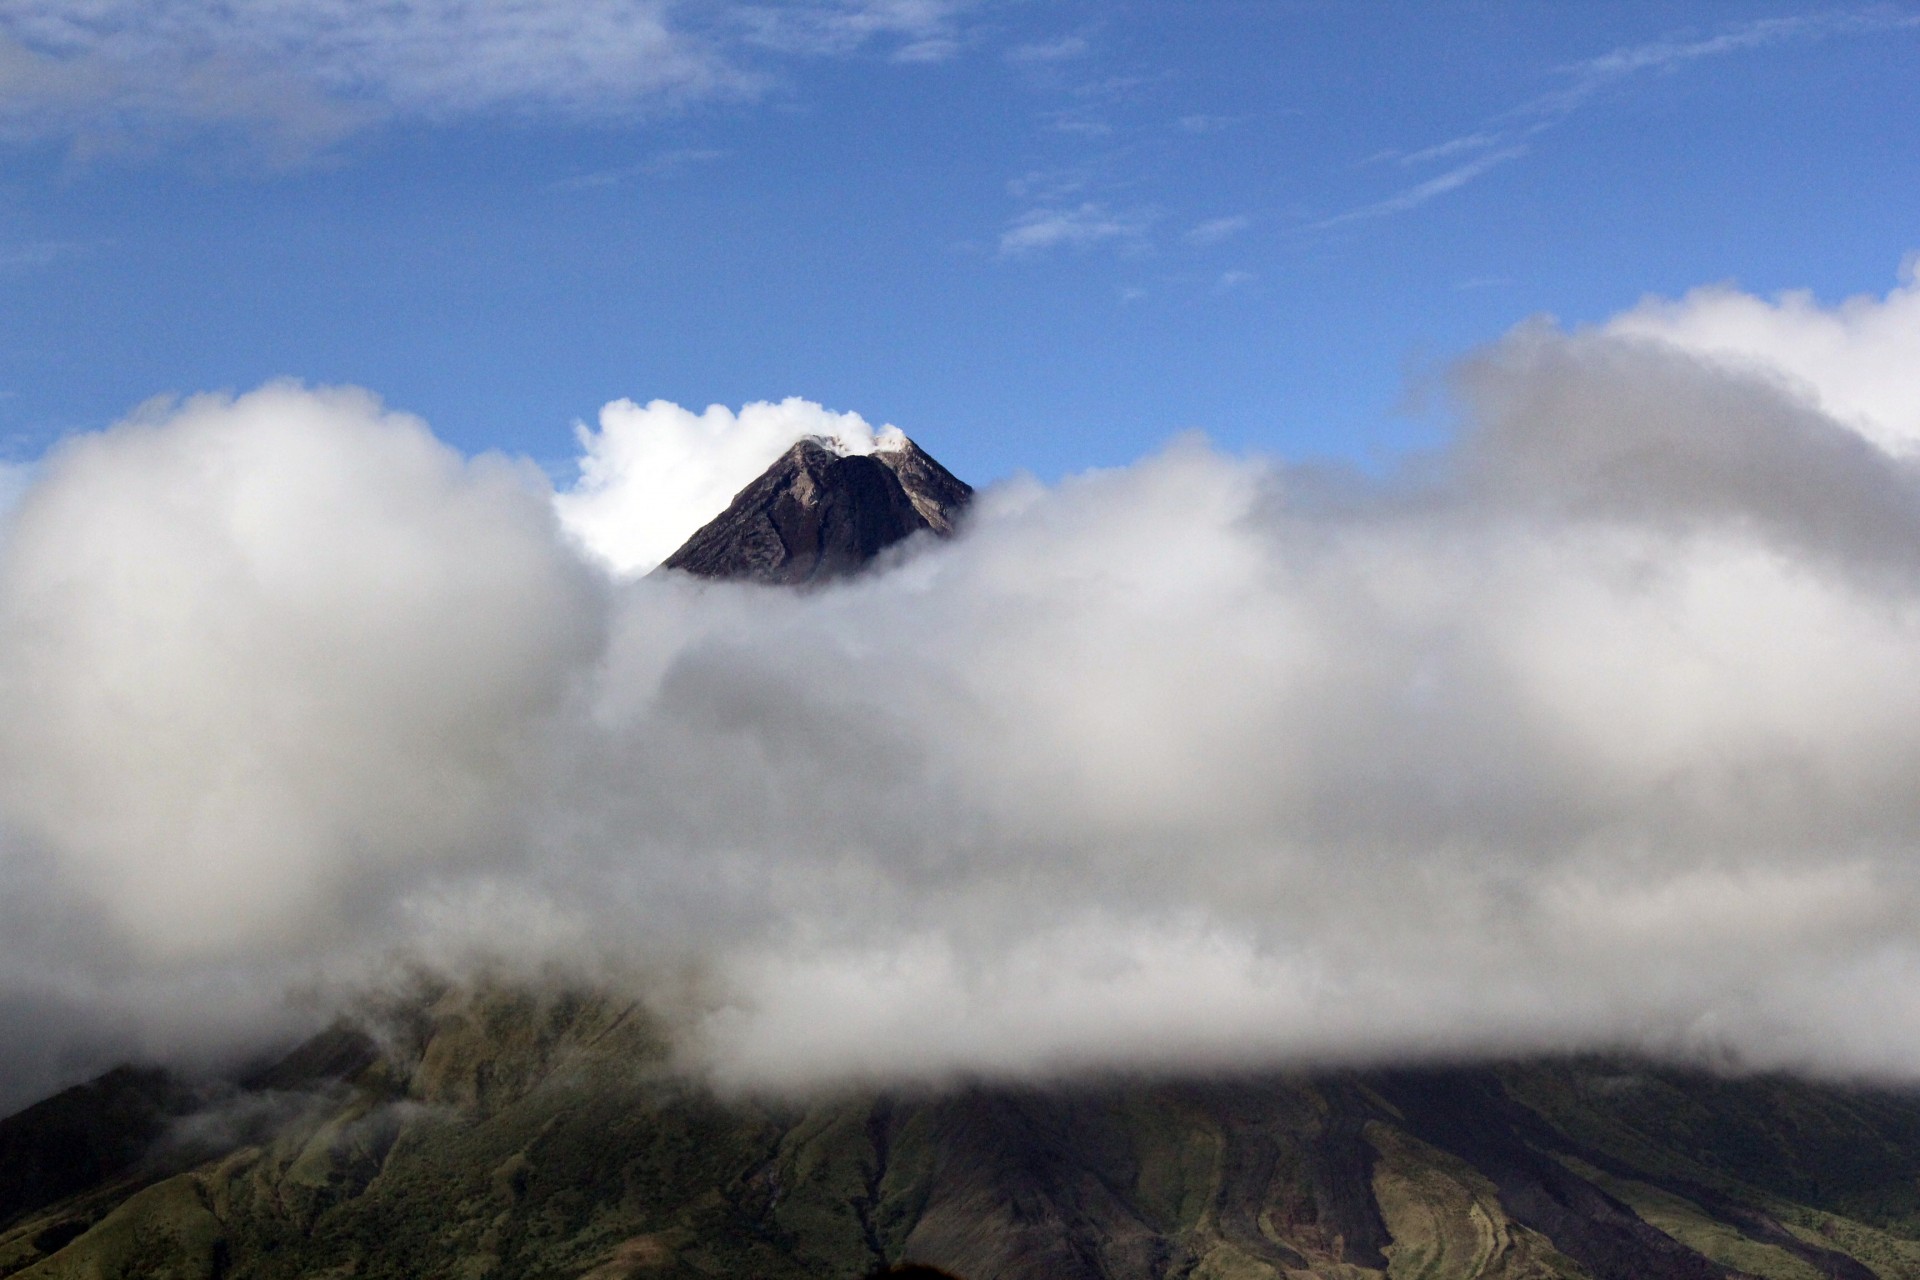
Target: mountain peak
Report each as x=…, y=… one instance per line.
x=822, y=511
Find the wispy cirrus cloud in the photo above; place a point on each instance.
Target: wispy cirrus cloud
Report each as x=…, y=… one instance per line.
x=1201, y=123
x=1049, y=186
x=1415, y=196
x=1507, y=137
x=37, y=253
x=292, y=77
x=1462, y=145
x=1215, y=230
x=657, y=165
x=1663, y=55
x=1060, y=49
x=1079, y=227
x=916, y=30
x=297, y=75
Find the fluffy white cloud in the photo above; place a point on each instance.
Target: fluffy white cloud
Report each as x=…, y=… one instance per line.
x=256, y=652
x=1859, y=360
x=1198, y=763
x=1595, y=730
x=649, y=477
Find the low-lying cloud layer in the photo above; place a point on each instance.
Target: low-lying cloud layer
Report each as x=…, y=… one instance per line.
x=1597, y=728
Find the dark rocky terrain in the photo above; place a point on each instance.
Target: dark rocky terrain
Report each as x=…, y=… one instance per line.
x=817, y=513
x=512, y=1131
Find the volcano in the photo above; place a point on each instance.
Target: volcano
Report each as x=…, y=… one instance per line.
x=537, y=1128
x=822, y=512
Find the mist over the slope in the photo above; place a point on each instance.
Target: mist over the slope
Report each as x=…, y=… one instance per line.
x=1597, y=729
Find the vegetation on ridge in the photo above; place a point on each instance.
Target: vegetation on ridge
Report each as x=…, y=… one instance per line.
x=515, y=1132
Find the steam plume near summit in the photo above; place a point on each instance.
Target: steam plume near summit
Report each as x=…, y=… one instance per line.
x=1599, y=728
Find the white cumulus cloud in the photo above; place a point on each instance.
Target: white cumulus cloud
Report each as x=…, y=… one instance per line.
x=1596, y=729
x=255, y=653
x=652, y=475
x=1858, y=360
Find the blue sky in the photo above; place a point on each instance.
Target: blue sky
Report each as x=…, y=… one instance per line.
x=1033, y=234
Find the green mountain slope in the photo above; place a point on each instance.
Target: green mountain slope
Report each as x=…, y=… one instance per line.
x=514, y=1133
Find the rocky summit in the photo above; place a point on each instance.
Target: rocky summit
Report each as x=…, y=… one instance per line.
x=820, y=512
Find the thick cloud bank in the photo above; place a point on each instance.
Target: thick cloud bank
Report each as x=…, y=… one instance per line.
x=1596, y=729
x=260, y=650
x=1859, y=361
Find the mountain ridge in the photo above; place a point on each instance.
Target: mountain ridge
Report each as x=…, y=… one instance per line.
x=526, y=1130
